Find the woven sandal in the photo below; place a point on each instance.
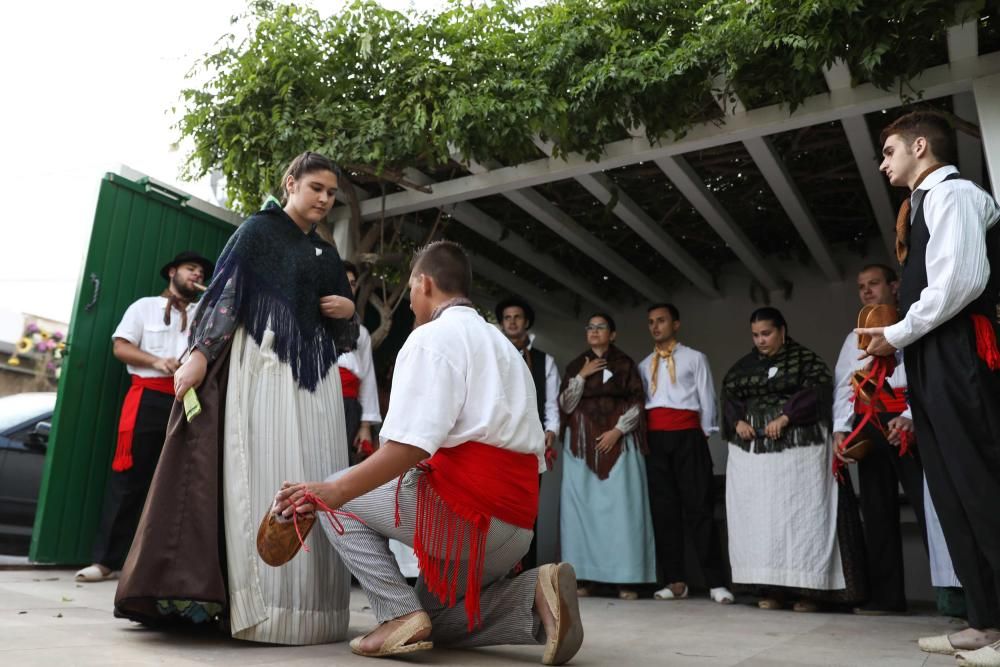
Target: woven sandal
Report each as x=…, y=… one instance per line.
x=278, y=540
x=395, y=643
x=558, y=585
x=939, y=644
x=770, y=603
x=988, y=656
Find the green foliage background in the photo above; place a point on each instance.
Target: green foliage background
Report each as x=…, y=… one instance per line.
x=378, y=89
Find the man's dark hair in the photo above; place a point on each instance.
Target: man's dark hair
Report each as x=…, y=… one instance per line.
x=607, y=318
x=675, y=314
x=887, y=271
x=932, y=125
x=447, y=264
x=349, y=267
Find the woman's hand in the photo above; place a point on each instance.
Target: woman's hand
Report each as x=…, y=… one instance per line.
x=336, y=307
x=191, y=374
x=745, y=430
x=776, y=427
x=592, y=366
x=607, y=440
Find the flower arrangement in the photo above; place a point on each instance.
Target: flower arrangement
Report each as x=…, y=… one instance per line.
x=45, y=347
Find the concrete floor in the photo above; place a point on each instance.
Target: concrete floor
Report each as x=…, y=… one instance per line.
x=48, y=619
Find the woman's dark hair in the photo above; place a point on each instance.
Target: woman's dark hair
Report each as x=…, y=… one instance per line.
x=607, y=318
x=307, y=163
x=349, y=267
x=769, y=314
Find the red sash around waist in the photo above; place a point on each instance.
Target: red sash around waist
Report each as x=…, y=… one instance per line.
x=350, y=383
x=670, y=419
x=130, y=408
x=885, y=402
x=462, y=489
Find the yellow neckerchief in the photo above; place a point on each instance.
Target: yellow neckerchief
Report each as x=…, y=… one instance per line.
x=667, y=354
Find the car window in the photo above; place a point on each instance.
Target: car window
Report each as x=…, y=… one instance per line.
x=23, y=435
x=20, y=408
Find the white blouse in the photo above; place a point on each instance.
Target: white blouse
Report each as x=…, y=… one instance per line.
x=694, y=389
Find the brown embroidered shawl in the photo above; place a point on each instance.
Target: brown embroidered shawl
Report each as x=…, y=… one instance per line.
x=602, y=404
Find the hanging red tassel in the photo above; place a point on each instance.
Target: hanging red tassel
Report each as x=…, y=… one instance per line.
x=879, y=369
x=986, y=341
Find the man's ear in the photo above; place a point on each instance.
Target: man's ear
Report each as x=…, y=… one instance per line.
x=920, y=147
x=894, y=286
x=677, y=326
x=425, y=284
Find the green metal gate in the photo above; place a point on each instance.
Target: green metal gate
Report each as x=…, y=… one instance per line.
x=138, y=227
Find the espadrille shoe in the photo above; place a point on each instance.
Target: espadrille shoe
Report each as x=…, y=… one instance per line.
x=666, y=593
x=557, y=582
x=396, y=642
x=939, y=644
x=988, y=656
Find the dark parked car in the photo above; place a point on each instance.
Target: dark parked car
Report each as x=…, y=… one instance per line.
x=25, y=420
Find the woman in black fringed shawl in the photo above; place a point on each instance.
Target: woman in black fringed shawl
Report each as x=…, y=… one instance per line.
x=605, y=525
x=794, y=532
x=278, y=311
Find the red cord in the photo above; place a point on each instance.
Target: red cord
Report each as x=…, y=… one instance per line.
x=331, y=516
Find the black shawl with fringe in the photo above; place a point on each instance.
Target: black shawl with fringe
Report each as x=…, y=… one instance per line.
x=271, y=276
x=794, y=382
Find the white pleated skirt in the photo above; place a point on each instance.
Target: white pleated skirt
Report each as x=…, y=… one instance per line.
x=274, y=432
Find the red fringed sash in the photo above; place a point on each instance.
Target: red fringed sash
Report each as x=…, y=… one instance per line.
x=670, y=419
x=460, y=491
x=130, y=409
x=350, y=383
x=986, y=341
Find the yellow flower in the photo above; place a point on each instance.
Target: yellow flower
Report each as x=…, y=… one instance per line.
x=45, y=334
x=14, y=361
x=24, y=345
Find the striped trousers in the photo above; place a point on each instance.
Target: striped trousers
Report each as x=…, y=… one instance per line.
x=506, y=604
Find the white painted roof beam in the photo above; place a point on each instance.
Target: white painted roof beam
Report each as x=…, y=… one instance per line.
x=866, y=156
x=963, y=42
x=629, y=212
x=485, y=225
x=776, y=173
x=558, y=221
x=694, y=190
x=825, y=107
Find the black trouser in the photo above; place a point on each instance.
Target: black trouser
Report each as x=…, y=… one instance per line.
x=127, y=490
x=352, y=423
x=682, y=497
x=880, y=474
x=956, y=411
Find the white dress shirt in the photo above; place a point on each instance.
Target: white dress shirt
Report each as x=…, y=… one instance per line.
x=458, y=379
x=847, y=364
x=142, y=325
x=360, y=363
x=958, y=214
x=694, y=389
x=550, y=420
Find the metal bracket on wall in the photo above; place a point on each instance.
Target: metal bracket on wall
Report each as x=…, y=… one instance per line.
x=150, y=185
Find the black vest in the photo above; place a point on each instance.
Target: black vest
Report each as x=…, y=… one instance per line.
x=914, y=275
x=538, y=376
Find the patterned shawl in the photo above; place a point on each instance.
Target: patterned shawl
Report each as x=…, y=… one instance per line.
x=602, y=404
x=758, y=389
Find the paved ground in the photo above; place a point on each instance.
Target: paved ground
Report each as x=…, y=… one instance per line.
x=48, y=619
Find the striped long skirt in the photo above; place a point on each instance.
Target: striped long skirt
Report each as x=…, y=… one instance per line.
x=276, y=431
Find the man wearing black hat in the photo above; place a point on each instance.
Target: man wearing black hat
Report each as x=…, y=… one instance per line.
x=516, y=316
x=150, y=338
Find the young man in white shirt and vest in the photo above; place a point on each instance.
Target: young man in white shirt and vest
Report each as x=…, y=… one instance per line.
x=948, y=242
x=516, y=317
x=680, y=415
x=150, y=339
x=890, y=462
x=462, y=396
x=360, y=390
